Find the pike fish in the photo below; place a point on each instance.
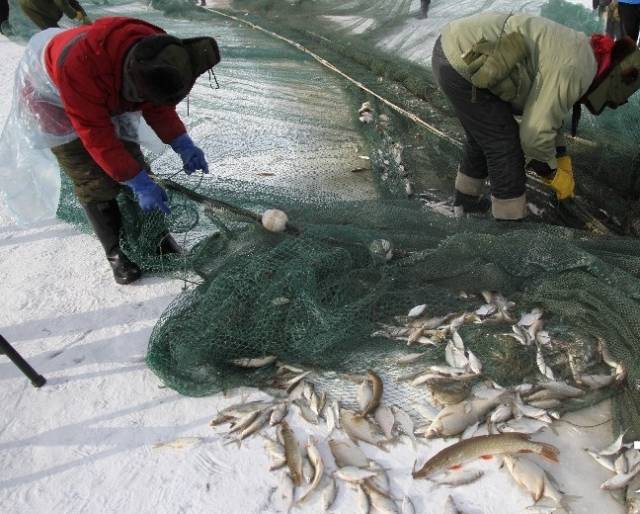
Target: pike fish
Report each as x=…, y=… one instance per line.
x=485, y=447
x=292, y=453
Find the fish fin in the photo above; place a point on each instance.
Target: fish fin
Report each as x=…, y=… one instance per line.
x=549, y=452
x=525, y=450
x=455, y=466
x=486, y=457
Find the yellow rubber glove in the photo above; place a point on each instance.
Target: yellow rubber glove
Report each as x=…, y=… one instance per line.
x=82, y=18
x=562, y=182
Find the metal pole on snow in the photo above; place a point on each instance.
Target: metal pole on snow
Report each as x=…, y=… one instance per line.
x=36, y=379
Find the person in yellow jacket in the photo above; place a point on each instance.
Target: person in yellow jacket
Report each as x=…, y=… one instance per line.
x=512, y=79
x=47, y=13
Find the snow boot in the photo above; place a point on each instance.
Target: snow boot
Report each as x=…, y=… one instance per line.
x=107, y=222
x=469, y=204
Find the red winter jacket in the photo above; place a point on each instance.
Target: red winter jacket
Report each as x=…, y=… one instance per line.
x=89, y=79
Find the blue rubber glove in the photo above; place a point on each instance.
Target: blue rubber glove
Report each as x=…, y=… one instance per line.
x=192, y=157
x=150, y=195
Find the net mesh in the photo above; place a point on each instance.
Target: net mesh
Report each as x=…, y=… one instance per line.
x=283, y=132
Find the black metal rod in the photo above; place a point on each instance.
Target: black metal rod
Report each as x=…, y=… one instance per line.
x=36, y=379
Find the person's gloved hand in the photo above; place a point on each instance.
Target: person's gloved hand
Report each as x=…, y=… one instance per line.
x=82, y=18
x=192, y=157
x=562, y=182
x=150, y=195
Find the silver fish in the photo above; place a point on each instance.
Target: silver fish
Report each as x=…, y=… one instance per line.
x=428, y=412
x=530, y=318
x=619, y=481
x=306, y=412
x=405, y=423
x=474, y=363
x=318, y=468
x=354, y=474
x=346, y=454
x=542, y=365
x=614, y=447
x=256, y=425
x=292, y=452
x=453, y=419
x=360, y=429
x=329, y=417
x=329, y=493
x=335, y=405
x=381, y=502
x=604, y=461
x=596, y=381
x=621, y=465
x=364, y=505
x=411, y=357
x=257, y=362
x=278, y=414
x=364, y=394
x=385, y=419
x=527, y=474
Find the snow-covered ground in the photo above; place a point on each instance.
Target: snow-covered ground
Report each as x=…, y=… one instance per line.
x=84, y=443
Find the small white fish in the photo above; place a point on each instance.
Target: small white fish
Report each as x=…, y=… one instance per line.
x=520, y=335
x=417, y=311
x=542, y=365
x=563, y=389
x=278, y=414
x=364, y=394
x=335, y=405
x=364, y=505
x=306, y=412
x=360, y=429
x=453, y=419
x=457, y=478
x=621, y=465
x=292, y=383
x=385, y=419
x=410, y=357
x=486, y=310
x=605, y=462
x=257, y=362
x=318, y=469
x=407, y=506
x=530, y=318
x=596, y=381
x=354, y=474
x=474, y=362
x=180, y=443
x=546, y=404
x=256, y=425
x=328, y=495
x=543, y=338
x=455, y=356
x=307, y=391
x=502, y=413
x=347, y=454
x=619, y=481
x=329, y=417
x=405, y=423
x=381, y=502
x=633, y=457
x=414, y=337
x=527, y=474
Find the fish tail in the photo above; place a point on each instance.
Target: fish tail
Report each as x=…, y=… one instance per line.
x=549, y=452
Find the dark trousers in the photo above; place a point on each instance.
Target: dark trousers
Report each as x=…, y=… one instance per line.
x=630, y=19
x=91, y=183
x=492, y=146
x=424, y=7
x=4, y=11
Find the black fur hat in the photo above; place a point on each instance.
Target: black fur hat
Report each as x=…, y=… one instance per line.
x=162, y=69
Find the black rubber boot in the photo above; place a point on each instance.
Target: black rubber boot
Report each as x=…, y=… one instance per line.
x=107, y=222
x=471, y=204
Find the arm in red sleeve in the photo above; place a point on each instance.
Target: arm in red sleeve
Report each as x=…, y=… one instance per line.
x=164, y=120
x=89, y=116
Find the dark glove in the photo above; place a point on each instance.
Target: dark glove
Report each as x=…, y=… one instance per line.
x=150, y=195
x=192, y=157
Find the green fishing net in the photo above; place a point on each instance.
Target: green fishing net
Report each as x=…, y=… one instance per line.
x=283, y=131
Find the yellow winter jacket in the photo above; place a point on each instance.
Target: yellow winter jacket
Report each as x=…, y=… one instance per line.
x=540, y=67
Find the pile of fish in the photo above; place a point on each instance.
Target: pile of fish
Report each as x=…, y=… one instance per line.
x=490, y=420
x=623, y=460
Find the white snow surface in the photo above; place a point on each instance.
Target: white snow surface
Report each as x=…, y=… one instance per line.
x=85, y=441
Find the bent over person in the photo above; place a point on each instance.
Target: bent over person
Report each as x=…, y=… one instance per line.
x=94, y=73
x=512, y=79
x=47, y=13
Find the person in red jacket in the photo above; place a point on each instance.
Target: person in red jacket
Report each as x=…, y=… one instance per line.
x=114, y=66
